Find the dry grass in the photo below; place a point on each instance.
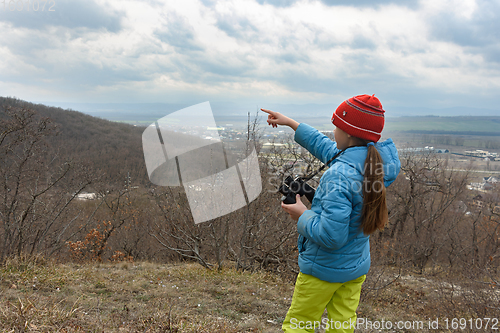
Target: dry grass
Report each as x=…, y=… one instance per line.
x=395, y=295
x=138, y=297
x=38, y=296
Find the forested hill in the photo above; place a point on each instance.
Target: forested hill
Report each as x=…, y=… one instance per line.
x=109, y=148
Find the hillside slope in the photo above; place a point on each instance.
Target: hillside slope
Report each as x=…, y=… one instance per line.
x=110, y=148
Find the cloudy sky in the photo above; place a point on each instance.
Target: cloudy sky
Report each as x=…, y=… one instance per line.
x=430, y=53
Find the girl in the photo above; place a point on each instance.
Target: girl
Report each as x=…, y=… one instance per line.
x=349, y=205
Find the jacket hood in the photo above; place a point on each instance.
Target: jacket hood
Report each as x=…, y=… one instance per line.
x=356, y=156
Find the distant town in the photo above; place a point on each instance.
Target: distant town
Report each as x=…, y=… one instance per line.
x=483, y=164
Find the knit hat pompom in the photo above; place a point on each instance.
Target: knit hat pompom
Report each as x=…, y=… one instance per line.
x=361, y=116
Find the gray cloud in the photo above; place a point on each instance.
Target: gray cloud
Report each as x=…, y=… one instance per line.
x=194, y=68
x=359, y=72
x=86, y=74
x=179, y=33
x=208, y=3
x=277, y=3
x=361, y=42
x=237, y=27
x=62, y=53
x=181, y=40
x=371, y=3
x=293, y=58
x=46, y=59
x=66, y=13
x=359, y=3
x=29, y=45
x=479, y=33
x=191, y=63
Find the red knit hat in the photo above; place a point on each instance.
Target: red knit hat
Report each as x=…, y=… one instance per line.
x=360, y=116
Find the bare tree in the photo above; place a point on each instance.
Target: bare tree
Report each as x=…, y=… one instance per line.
x=36, y=188
x=423, y=211
x=259, y=235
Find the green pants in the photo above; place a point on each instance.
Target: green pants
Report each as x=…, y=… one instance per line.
x=310, y=298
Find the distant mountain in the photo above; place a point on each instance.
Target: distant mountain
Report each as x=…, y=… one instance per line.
x=445, y=112
x=148, y=112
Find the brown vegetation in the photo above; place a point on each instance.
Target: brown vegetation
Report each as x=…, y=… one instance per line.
x=433, y=233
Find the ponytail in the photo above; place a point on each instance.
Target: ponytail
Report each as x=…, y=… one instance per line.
x=375, y=214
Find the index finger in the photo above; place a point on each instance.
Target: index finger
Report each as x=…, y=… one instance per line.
x=268, y=111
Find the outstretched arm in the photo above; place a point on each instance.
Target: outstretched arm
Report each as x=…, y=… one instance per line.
x=275, y=118
x=318, y=144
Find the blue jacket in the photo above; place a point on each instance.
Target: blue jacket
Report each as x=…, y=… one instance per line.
x=332, y=246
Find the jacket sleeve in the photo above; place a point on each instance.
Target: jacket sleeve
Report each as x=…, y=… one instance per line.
x=318, y=144
x=330, y=227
